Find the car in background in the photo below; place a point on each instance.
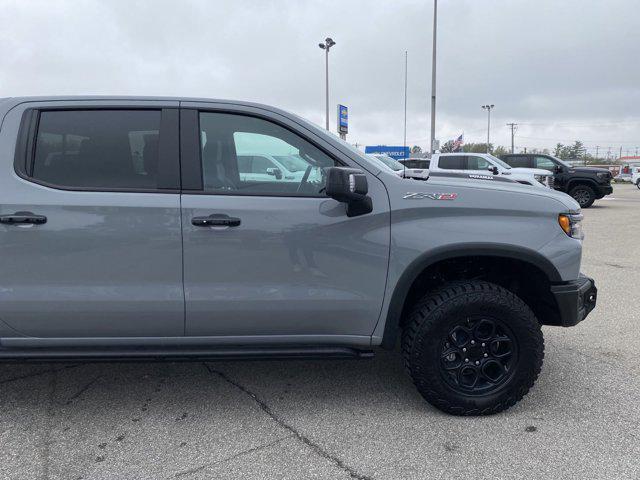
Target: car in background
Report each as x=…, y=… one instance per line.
x=623, y=178
x=635, y=176
x=264, y=168
x=399, y=168
x=480, y=165
x=584, y=184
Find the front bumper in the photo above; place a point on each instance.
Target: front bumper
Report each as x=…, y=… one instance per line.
x=575, y=300
x=604, y=190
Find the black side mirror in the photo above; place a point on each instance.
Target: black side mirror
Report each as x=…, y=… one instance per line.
x=493, y=169
x=276, y=172
x=557, y=169
x=349, y=185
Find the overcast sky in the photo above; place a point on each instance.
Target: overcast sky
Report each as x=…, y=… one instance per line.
x=565, y=70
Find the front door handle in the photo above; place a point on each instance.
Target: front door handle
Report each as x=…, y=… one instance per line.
x=22, y=218
x=215, y=220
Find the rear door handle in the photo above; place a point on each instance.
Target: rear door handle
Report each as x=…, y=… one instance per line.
x=215, y=220
x=21, y=218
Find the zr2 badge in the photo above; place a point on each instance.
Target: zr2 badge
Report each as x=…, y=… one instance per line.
x=429, y=196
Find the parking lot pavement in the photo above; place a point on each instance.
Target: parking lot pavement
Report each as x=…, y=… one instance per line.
x=345, y=419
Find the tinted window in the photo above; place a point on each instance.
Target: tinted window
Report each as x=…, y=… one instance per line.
x=517, y=162
x=453, y=162
x=248, y=155
x=543, y=162
x=477, y=163
x=98, y=148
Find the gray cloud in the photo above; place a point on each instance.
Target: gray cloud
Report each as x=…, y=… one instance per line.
x=564, y=70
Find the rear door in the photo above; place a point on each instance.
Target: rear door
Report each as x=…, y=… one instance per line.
x=98, y=185
x=286, y=262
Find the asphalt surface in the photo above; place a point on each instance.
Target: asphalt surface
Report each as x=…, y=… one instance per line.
x=345, y=419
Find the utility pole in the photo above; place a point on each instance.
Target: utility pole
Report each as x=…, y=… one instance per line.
x=597, y=148
x=620, y=152
x=488, y=109
x=326, y=46
x=404, y=143
x=513, y=131
x=433, y=79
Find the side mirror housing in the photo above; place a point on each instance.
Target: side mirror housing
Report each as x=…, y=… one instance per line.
x=493, y=169
x=557, y=169
x=276, y=172
x=349, y=185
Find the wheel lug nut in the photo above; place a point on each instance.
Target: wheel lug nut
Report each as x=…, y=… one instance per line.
x=466, y=359
x=473, y=342
x=464, y=349
x=483, y=344
x=486, y=355
x=477, y=363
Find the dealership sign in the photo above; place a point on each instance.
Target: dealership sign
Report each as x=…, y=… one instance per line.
x=397, y=153
x=343, y=119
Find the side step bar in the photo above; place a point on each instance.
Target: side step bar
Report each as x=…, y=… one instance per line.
x=179, y=354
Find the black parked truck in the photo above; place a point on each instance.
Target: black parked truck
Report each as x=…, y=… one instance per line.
x=584, y=184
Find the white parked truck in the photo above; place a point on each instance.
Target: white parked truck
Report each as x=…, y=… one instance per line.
x=484, y=164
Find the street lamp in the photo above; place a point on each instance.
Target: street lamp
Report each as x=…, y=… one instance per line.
x=488, y=109
x=326, y=46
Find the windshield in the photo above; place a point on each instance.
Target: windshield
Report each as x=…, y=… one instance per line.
x=561, y=162
x=293, y=163
x=390, y=162
x=499, y=162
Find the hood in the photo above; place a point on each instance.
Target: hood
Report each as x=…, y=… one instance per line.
x=530, y=171
x=591, y=170
x=451, y=183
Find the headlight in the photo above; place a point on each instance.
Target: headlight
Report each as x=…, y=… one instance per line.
x=603, y=175
x=543, y=179
x=571, y=223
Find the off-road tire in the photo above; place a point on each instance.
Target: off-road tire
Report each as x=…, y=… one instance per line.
x=638, y=183
x=430, y=321
x=584, y=195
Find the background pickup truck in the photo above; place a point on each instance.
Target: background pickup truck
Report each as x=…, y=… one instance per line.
x=483, y=164
x=584, y=184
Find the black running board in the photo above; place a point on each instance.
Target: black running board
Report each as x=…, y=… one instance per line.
x=179, y=354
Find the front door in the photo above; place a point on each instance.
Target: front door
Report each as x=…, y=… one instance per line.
x=275, y=257
x=90, y=229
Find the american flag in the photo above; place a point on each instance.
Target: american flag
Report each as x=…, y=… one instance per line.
x=457, y=143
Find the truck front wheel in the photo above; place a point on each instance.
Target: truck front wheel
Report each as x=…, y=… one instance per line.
x=584, y=195
x=472, y=348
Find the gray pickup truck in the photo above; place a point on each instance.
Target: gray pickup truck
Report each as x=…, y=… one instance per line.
x=130, y=230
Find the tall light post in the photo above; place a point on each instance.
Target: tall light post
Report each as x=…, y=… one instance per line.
x=433, y=79
x=326, y=46
x=404, y=143
x=488, y=109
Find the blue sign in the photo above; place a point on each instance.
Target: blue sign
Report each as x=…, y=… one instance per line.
x=343, y=119
x=397, y=153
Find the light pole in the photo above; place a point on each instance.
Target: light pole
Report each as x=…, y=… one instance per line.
x=326, y=46
x=404, y=143
x=488, y=109
x=433, y=78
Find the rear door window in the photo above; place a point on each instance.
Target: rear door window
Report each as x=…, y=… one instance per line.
x=97, y=149
x=517, y=161
x=451, y=162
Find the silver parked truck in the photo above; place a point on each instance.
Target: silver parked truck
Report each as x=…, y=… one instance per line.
x=128, y=231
